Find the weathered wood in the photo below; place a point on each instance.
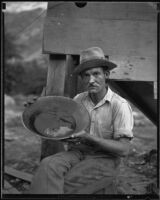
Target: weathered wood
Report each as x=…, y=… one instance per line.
x=18, y=174
x=124, y=37
x=55, y=86
x=71, y=79
x=115, y=38
x=133, y=68
x=91, y=10
x=155, y=90
x=56, y=75
x=133, y=91
x=133, y=39
x=9, y=189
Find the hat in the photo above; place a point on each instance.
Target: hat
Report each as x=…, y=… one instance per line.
x=91, y=58
x=53, y=113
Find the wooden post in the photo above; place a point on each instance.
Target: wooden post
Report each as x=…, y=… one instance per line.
x=56, y=75
x=71, y=79
x=55, y=86
x=155, y=89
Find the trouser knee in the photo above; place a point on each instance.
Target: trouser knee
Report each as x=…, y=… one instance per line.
x=54, y=164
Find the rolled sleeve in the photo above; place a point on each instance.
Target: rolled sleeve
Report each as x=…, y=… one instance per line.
x=123, y=122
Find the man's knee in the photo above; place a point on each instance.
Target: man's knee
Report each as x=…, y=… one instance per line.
x=53, y=163
x=49, y=161
x=45, y=161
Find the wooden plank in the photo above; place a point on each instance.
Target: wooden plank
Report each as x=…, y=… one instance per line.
x=68, y=29
x=18, y=174
x=135, y=68
x=55, y=86
x=124, y=37
x=71, y=79
x=155, y=90
x=118, y=37
x=9, y=189
x=140, y=94
x=103, y=10
x=56, y=75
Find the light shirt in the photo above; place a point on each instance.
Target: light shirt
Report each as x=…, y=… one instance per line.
x=111, y=118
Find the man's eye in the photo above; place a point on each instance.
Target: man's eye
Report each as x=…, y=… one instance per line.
x=86, y=75
x=96, y=74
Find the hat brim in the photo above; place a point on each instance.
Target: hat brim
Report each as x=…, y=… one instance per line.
x=55, y=105
x=93, y=64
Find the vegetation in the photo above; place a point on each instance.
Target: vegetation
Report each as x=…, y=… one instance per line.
x=21, y=77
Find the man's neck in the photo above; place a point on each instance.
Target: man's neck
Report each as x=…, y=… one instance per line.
x=97, y=97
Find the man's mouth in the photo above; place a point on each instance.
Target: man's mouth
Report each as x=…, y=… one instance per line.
x=91, y=86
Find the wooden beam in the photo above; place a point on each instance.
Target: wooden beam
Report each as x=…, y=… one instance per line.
x=54, y=87
x=124, y=37
x=155, y=89
x=56, y=75
x=69, y=29
x=71, y=79
x=18, y=174
x=140, y=94
x=9, y=189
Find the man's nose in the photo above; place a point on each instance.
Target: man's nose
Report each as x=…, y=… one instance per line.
x=91, y=80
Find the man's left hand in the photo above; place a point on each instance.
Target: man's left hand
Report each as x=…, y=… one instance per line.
x=83, y=136
x=80, y=136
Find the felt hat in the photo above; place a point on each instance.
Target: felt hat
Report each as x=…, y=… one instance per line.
x=53, y=112
x=91, y=58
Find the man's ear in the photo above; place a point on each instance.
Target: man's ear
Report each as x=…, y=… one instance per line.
x=81, y=75
x=107, y=73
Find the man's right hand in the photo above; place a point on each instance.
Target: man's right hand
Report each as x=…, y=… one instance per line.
x=30, y=102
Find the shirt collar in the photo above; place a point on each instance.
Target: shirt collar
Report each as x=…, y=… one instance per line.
x=108, y=95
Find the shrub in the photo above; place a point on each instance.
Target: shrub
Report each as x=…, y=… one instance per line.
x=24, y=78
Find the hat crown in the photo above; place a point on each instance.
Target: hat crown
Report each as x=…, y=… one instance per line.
x=91, y=54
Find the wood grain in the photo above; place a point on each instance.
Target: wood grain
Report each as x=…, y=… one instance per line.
x=54, y=87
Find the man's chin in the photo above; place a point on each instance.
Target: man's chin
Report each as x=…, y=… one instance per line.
x=92, y=91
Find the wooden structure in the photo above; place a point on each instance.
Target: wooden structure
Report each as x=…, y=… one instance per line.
x=127, y=32
x=14, y=174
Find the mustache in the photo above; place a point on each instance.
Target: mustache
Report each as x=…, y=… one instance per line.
x=92, y=85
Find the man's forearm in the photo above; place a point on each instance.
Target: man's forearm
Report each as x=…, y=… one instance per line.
x=119, y=147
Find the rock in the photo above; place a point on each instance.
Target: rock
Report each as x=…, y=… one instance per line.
x=11, y=115
x=10, y=135
x=9, y=101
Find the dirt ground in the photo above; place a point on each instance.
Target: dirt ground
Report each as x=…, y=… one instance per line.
x=138, y=174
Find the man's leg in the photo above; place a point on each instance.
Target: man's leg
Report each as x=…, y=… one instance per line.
x=49, y=178
x=91, y=175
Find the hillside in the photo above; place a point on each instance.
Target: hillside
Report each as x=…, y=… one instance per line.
x=27, y=27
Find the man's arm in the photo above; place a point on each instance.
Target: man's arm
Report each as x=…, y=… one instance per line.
x=119, y=147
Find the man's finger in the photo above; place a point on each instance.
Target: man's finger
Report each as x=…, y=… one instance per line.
x=78, y=134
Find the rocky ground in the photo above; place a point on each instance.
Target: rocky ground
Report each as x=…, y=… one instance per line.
x=22, y=151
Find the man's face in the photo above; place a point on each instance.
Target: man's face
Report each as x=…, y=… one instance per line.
x=94, y=80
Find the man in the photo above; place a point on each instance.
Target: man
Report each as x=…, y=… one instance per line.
x=103, y=143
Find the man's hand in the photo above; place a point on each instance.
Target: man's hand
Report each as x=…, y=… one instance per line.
x=79, y=134
x=82, y=136
x=79, y=137
x=118, y=147
x=30, y=102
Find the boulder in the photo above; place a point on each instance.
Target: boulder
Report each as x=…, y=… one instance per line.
x=9, y=101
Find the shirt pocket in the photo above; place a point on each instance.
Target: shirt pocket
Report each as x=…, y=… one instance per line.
x=105, y=130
